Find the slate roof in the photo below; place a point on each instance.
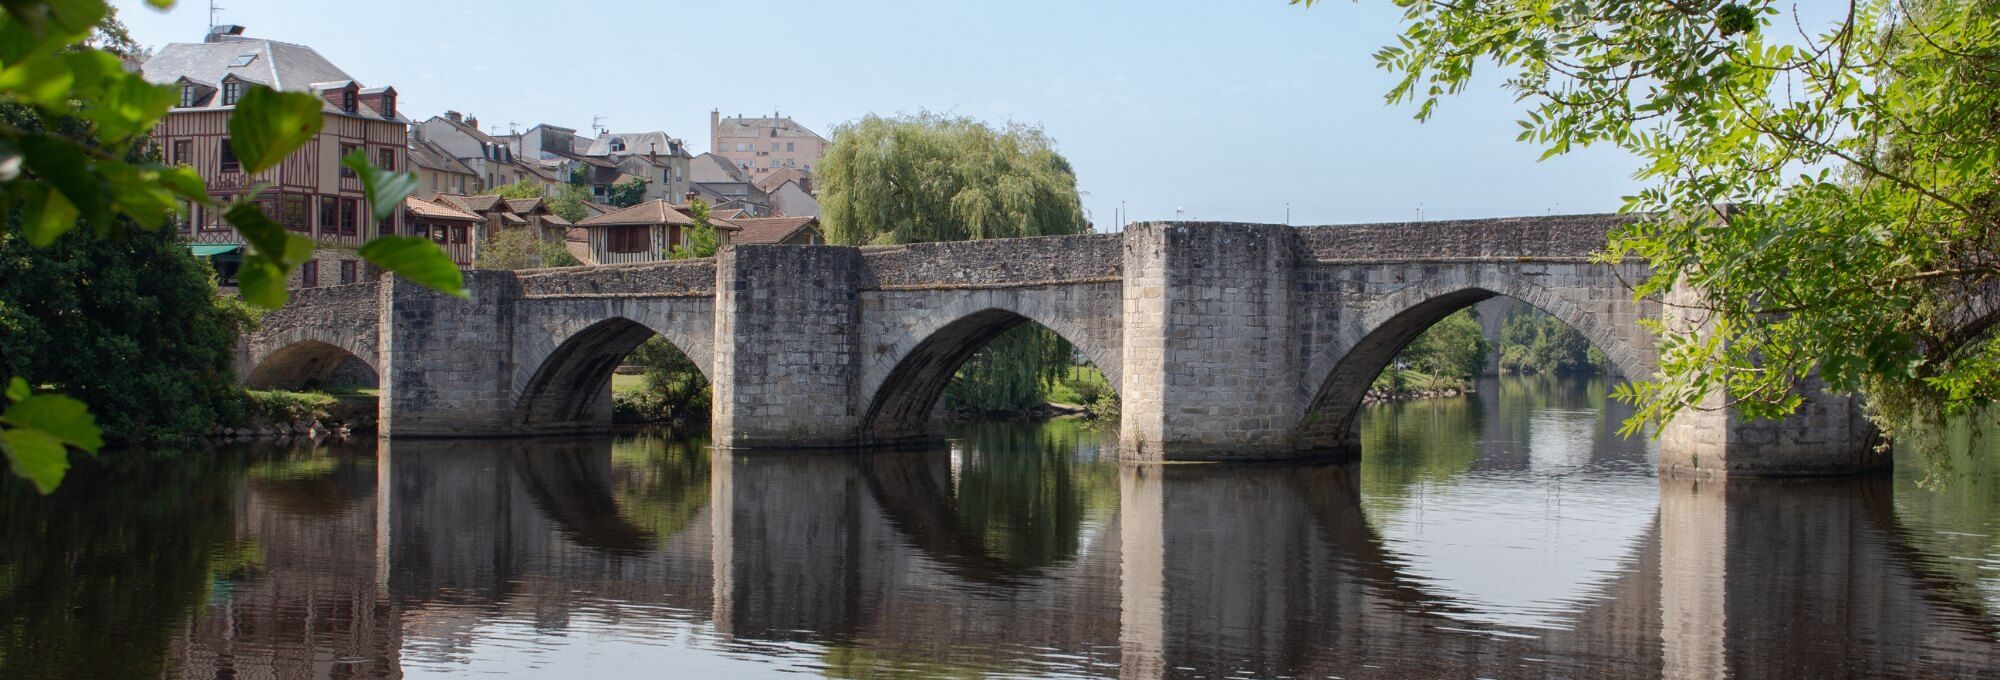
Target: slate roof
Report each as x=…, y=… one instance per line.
x=526, y=206
x=769, y=229
x=433, y=211
x=428, y=154
x=740, y=126
x=637, y=143
x=277, y=65
x=648, y=213
x=770, y=183
x=479, y=204
x=709, y=167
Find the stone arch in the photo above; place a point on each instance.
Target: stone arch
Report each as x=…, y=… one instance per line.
x=570, y=383
x=913, y=367
x=311, y=364
x=1396, y=319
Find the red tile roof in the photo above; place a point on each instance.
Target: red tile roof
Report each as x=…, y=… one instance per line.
x=651, y=212
x=769, y=229
x=432, y=211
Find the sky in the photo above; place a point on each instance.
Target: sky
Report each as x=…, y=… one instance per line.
x=1239, y=110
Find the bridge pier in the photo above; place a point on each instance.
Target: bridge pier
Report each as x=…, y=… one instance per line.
x=1209, y=362
x=447, y=364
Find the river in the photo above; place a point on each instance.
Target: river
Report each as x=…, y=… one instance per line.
x=1509, y=533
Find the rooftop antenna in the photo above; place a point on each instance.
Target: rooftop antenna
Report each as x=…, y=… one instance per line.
x=513, y=128
x=1288, y=213
x=597, y=122
x=1178, y=212
x=214, y=11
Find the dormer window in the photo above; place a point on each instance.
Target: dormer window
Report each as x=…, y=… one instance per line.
x=232, y=90
x=617, y=145
x=349, y=102
x=188, y=95
x=389, y=105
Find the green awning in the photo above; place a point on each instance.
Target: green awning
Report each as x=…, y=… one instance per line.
x=213, y=249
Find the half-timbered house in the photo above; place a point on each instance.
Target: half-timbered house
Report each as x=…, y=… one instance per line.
x=646, y=232
x=310, y=192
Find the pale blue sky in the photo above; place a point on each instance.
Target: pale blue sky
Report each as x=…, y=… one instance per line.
x=1229, y=109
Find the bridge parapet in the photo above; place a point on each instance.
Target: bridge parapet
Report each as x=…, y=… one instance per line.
x=1559, y=238
x=679, y=278
x=1088, y=258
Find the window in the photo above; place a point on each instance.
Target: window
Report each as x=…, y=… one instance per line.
x=350, y=213
x=187, y=95
x=791, y=146
x=349, y=102
x=458, y=236
x=329, y=214
x=293, y=212
x=182, y=152
x=386, y=159
x=229, y=163
x=243, y=60
x=232, y=90
x=774, y=162
x=617, y=145
x=389, y=105
x=742, y=146
x=346, y=149
x=774, y=146
x=434, y=182
x=628, y=239
x=309, y=274
x=350, y=271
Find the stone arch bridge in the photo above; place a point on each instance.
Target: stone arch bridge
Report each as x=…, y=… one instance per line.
x=1225, y=341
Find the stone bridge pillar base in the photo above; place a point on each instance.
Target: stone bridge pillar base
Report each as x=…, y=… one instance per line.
x=439, y=373
x=1829, y=435
x=1209, y=371
x=785, y=350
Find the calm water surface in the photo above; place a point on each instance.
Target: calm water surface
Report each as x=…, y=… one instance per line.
x=1508, y=534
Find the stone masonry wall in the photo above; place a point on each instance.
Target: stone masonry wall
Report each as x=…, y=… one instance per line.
x=447, y=363
x=1560, y=236
x=1218, y=296
x=676, y=278
x=786, y=346
x=341, y=316
x=961, y=264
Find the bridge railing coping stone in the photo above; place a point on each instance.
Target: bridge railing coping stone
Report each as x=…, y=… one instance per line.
x=1044, y=259
x=1551, y=237
x=678, y=277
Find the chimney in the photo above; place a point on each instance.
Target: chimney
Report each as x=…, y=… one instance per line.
x=222, y=33
x=454, y=116
x=690, y=198
x=472, y=122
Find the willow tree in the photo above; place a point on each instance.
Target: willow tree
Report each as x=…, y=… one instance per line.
x=928, y=177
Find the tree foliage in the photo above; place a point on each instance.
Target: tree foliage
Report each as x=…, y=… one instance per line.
x=510, y=249
x=523, y=188
x=74, y=157
x=1824, y=198
x=567, y=202
x=1454, y=347
x=676, y=393
x=1533, y=342
x=701, y=240
x=628, y=193
x=938, y=178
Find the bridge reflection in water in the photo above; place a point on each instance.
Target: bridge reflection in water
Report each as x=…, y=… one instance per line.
x=1471, y=540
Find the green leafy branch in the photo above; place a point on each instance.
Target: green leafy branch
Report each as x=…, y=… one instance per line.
x=62, y=183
